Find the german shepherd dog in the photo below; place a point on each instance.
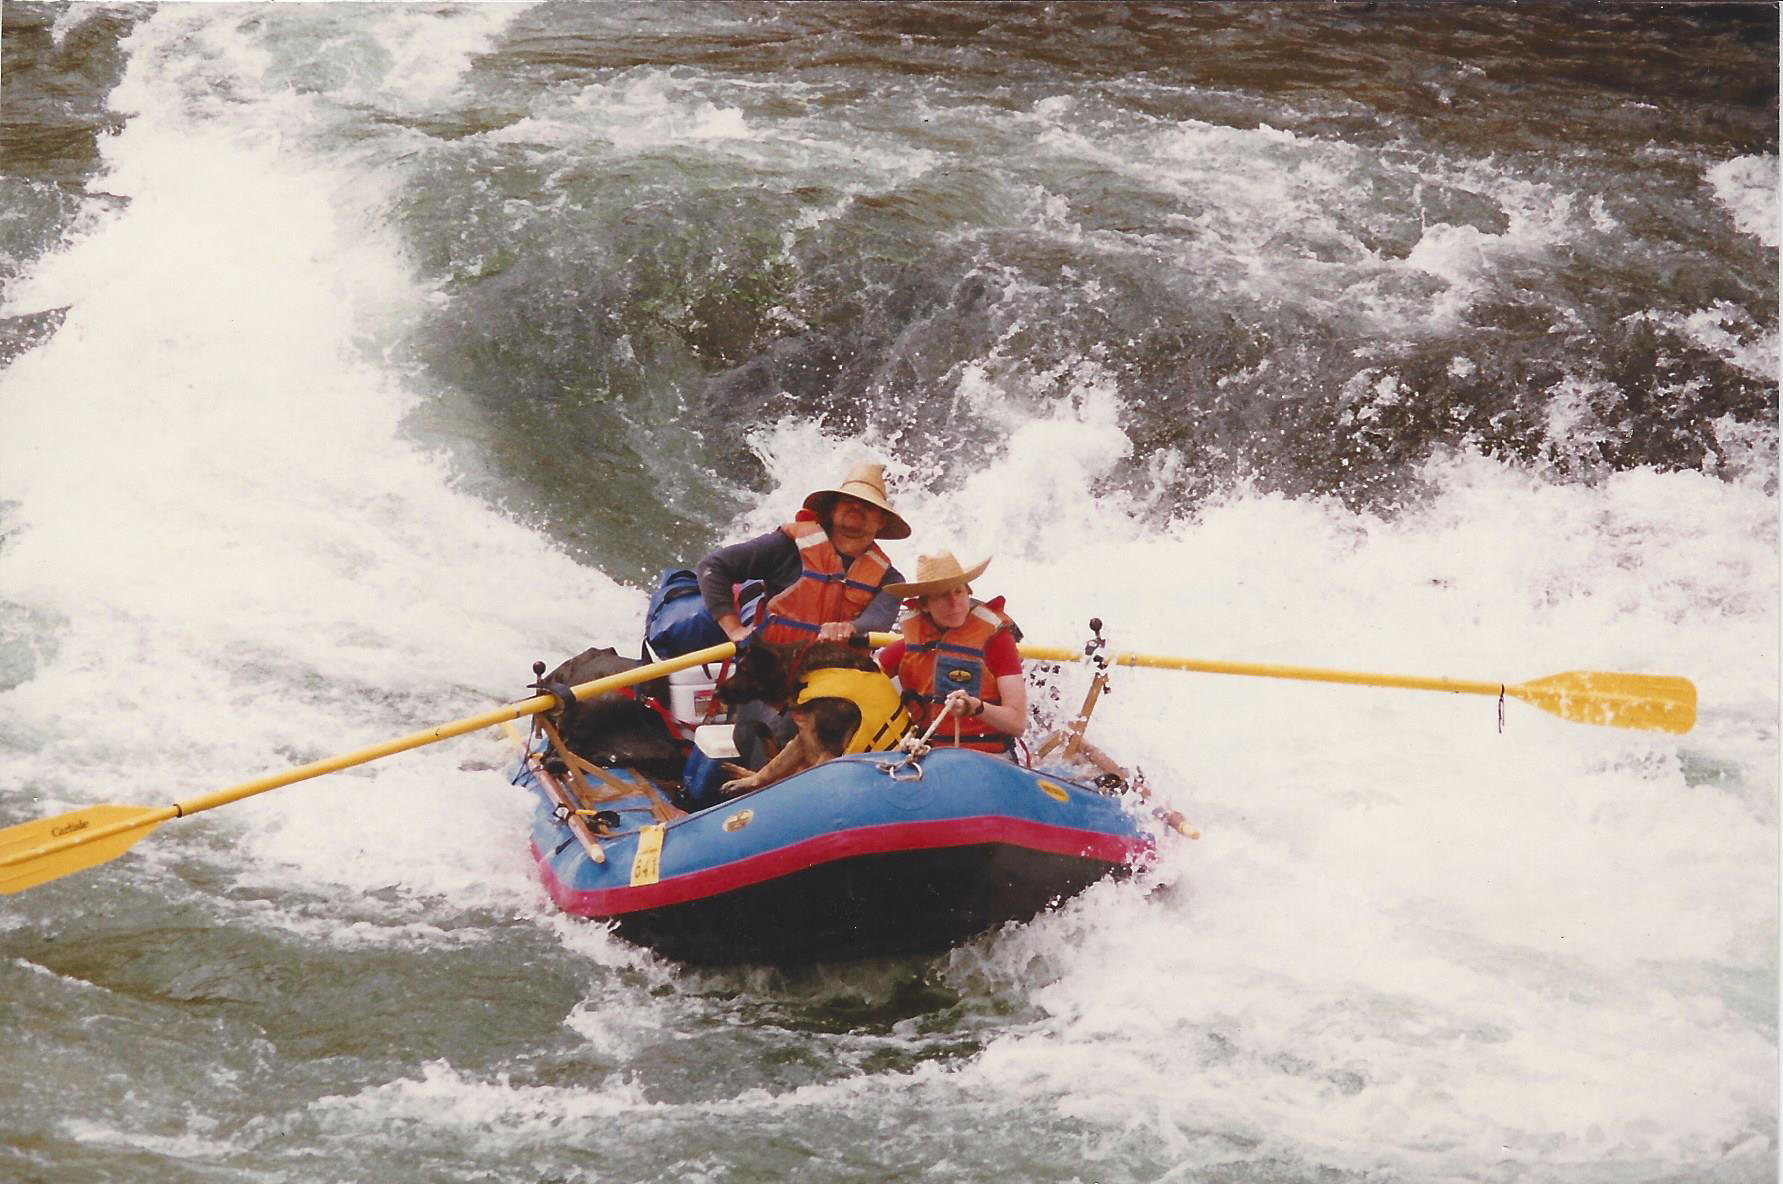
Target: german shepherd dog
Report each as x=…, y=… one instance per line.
x=778, y=735
x=770, y=677
x=774, y=674
x=617, y=729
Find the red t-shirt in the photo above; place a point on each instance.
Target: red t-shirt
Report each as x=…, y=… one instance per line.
x=1001, y=657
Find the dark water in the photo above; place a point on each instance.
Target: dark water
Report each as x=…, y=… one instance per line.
x=1227, y=210
x=358, y=355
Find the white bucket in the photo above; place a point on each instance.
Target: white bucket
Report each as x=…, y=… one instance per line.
x=695, y=703
x=693, y=693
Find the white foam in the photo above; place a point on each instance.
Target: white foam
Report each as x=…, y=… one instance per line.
x=1726, y=330
x=444, y=1099
x=1747, y=186
x=1415, y=943
x=638, y=111
x=198, y=1145
x=216, y=500
x=75, y=15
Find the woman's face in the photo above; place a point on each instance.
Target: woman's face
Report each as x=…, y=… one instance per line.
x=949, y=609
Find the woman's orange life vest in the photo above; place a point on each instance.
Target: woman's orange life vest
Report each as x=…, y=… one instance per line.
x=938, y=662
x=824, y=591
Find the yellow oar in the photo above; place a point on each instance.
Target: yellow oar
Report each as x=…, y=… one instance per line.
x=1650, y=702
x=33, y=853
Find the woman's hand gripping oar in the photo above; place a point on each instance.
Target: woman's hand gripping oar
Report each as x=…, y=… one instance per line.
x=33, y=853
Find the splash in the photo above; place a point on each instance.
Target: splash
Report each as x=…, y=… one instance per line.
x=233, y=537
x=1442, y=941
x=1747, y=186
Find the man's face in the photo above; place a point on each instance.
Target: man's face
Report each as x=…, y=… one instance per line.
x=854, y=524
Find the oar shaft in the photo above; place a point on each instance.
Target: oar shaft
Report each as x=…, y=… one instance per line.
x=1263, y=670
x=1057, y=653
x=1647, y=702
x=473, y=723
x=74, y=830
x=347, y=760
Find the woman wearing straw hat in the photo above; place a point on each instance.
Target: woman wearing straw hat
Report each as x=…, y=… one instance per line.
x=958, y=654
x=823, y=573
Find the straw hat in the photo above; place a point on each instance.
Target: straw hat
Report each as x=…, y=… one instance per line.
x=937, y=573
x=867, y=482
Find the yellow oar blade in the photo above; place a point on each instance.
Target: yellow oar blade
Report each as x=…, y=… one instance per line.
x=32, y=853
x=1650, y=702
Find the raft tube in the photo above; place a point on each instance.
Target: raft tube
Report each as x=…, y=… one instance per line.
x=862, y=856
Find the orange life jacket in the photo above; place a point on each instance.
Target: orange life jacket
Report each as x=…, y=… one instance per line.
x=937, y=662
x=824, y=592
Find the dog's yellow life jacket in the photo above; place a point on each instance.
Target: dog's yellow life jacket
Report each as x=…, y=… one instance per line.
x=883, y=719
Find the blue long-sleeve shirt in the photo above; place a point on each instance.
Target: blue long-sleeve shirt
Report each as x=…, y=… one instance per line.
x=773, y=558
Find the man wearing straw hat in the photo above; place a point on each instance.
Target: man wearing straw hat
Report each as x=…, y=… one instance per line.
x=823, y=573
x=824, y=578
x=958, y=655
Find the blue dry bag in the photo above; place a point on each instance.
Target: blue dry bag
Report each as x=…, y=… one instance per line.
x=677, y=622
x=702, y=777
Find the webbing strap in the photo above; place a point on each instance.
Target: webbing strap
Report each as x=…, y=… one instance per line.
x=899, y=719
x=612, y=788
x=787, y=622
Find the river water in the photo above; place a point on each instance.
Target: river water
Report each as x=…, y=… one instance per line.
x=357, y=356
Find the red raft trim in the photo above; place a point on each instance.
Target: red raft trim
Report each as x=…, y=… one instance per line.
x=847, y=844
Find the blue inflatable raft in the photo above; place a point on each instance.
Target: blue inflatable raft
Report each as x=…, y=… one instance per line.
x=864, y=855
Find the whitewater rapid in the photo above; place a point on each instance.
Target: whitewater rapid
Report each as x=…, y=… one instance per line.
x=236, y=537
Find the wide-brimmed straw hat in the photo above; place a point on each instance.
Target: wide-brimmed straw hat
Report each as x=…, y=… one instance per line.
x=936, y=574
x=867, y=482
